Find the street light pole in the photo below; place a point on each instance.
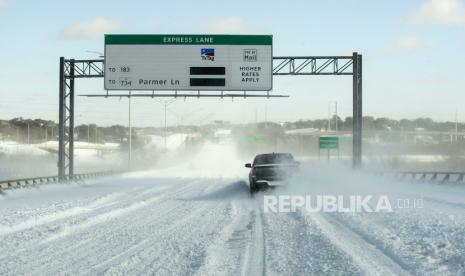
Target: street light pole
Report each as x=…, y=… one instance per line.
x=335, y=124
x=266, y=114
x=166, y=104
x=28, y=136
x=130, y=134
x=329, y=116
x=165, y=129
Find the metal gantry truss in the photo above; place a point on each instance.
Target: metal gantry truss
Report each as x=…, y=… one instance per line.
x=92, y=68
x=313, y=65
x=71, y=69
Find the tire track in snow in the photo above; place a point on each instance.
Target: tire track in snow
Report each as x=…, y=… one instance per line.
x=370, y=258
x=427, y=242
x=92, y=206
x=136, y=258
x=102, y=218
x=238, y=250
x=113, y=213
x=173, y=251
x=111, y=230
x=295, y=246
x=194, y=249
x=34, y=237
x=79, y=247
x=256, y=252
x=177, y=213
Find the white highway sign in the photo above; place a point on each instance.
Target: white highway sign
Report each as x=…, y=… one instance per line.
x=188, y=62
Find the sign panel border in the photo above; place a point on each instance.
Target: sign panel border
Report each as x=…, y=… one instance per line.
x=189, y=39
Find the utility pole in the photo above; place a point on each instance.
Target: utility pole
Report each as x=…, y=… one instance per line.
x=456, y=126
x=335, y=119
x=165, y=105
x=28, y=135
x=164, y=136
x=130, y=134
x=329, y=116
x=266, y=114
x=88, y=133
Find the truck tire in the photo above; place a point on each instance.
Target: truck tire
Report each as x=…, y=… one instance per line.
x=253, y=187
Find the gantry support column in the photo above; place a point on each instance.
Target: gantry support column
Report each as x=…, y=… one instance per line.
x=66, y=119
x=357, y=112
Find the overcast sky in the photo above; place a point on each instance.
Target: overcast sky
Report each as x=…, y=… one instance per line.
x=413, y=56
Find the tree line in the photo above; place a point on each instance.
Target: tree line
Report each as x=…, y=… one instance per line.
x=39, y=130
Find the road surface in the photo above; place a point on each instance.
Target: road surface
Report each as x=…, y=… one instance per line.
x=162, y=224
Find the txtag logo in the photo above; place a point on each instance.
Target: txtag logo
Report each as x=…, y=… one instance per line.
x=207, y=54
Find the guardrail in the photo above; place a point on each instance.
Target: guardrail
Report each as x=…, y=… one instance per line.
x=25, y=182
x=433, y=176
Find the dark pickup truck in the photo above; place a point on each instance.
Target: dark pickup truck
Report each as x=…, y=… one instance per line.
x=271, y=169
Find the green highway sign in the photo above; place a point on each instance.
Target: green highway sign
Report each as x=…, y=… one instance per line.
x=176, y=39
x=329, y=142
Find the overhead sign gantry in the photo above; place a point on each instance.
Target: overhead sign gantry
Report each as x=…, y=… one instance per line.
x=188, y=62
x=243, y=49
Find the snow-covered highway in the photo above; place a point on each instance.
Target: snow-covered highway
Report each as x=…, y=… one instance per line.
x=172, y=222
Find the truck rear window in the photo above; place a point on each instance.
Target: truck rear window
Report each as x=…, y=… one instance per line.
x=273, y=158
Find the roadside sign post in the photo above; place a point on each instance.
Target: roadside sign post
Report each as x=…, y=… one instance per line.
x=328, y=143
